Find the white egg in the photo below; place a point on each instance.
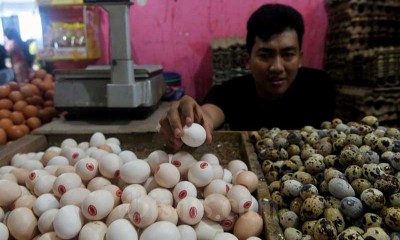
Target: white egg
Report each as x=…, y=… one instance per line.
x=135, y=171
x=194, y=136
x=68, y=222
x=1, y=214
x=87, y=168
x=210, y=158
x=167, y=213
x=97, y=183
x=127, y=156
x=183, y=161
x=44, y=184
x=227, y=176
x=237, y=165
x=201, y=173
x=110, y=165
x=115, y=148
x=93, y=231
x=184, y=189
x=190, y=210
x=74, y=196
x=121, y=229
x=167, y=175
x=45, y=202
x=225, y=236
x=65, y=182
x=161, y=230
x=3, y=232
x=187, y=232
x=45, y=221
x=69, y=142
x=229, y=222
x=217, y=186
x=156, y=158
x=97, y=139
x=133, y=191
x=162, y=196
x=240, y=199
x=207, y=229
x=119, y=212
x=150, y=184
x=113, y=140
x=143, y=211
x=97, y=204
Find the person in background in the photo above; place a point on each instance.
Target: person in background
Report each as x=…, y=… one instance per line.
x=21, y=59
x=278, y=92
x=6, y=74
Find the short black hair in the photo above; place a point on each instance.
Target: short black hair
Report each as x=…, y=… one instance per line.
x=271, y=19
x=3, y=56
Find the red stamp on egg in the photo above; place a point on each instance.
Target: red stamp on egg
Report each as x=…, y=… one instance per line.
x=193, y=212
x=61, y=189
x=227, y=188
x=116, y=174
x=176, y=163
x=75, y=155
x=182, y=194
x=118, y=193
x=90, y=166
x=92, y=210
x=32, y=175
x=137, y=218
x=227, y=223
x=203, y=165
x=247, y=204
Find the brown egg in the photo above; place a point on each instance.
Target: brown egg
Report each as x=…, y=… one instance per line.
x=14, y=86
x=28, y=90
x=44, y=115
x=30, y=111
x=17, y=118
x=65, y=169
x=249, y=224
x=26, y=201
x=5, y=103
x=5, y=91
x=36, y=81
x=48, y=154
x=16, y=96
x=3, y=136
x=48, y=77
x=19, y=105
x=41, y=73
x=49, y=95
x=14, y=132
x=33, y=122
x=24, y=128
x=6, y=123
x=4, y=113
x=35, y=100
x=21, y=174
x=22, y=223
x=13, y=192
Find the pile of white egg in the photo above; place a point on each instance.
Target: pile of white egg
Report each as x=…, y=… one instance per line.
x=96, y=190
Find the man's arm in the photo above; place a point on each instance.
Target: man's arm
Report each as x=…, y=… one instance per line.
x=215, y=113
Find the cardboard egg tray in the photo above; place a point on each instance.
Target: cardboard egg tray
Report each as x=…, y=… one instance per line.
x=226, y=145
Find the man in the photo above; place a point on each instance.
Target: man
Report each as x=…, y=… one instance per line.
x=6, y=74
x=277, y=93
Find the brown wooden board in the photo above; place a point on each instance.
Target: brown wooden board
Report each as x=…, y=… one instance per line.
x=226, y=145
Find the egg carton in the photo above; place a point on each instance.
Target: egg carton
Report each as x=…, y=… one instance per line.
x=228, y=58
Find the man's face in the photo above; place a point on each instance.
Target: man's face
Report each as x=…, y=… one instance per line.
x=274, y=63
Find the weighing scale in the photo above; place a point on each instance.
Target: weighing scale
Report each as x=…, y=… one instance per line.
x=122, y=87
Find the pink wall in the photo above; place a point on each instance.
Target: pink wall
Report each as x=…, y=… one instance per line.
x=177, y=34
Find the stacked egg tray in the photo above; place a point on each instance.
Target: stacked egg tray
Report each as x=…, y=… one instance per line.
x=356, y=27
x=227, y=58
x=227, y=146
x=355, y=102
x=341, y=181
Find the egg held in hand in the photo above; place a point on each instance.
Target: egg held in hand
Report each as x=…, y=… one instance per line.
x=194, y=136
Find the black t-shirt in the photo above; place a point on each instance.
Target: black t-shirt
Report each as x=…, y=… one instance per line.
x=309, y=101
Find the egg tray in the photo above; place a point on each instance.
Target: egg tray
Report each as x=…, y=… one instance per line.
x=226, y=145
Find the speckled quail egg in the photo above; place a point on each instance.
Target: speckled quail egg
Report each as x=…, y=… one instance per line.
x=396, y=146
x=388, y=184
x=308, y=227
x=370, y=121
x=370, y=156
x=323, y=187
x=376, y=233
x=340, y=188
x=264, y=143
x=372, y=171
x=372, y=220
x=280, y=142
x=266, y=166
x=289, y=219
x=392, y=218
x=295, y=205
x=304, y=177
x=355, y=229
x=360, y=184
x=292, y=234
x=277, y=198
x=371, y=139
x=373, y=198
x=324, y=148
x=332, y=202
x=364, y=129
x=385, y=144
x=333, y=173
x=347, y=235
x=341, y=127
x=336, y=217
x=351, y=207
x=395, y=161
x=308, y=190
x=287, y=176
x=386, y=168
x=289, y=166
x=291, y=188
x=312, y=207
x=274, y=186
x=353, y=172
x=293, y=150
x=294, y=137
x=314, y=165
x=324, y=229
x=331, y=161
x=364, y=148
x=306, y=152
x=380, y=131
x=348, y=157
x=354, y=139
x=395, y=200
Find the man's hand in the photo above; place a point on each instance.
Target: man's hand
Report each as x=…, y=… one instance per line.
x=184, y=112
